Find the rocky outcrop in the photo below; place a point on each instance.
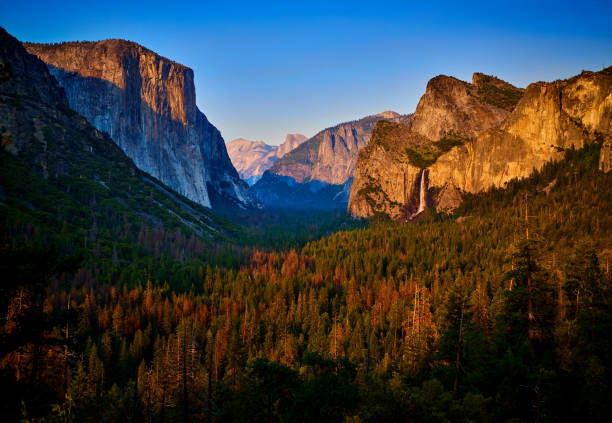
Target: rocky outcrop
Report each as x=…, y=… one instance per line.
x=385, y=179
x=331, y=155
x=549, y=118
x=72, y=169
x=450, y=113
x=319, y=172
x=252, y=158
x=146, y=103
x=457, y=107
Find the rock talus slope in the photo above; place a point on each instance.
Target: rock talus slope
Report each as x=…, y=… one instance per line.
x=146, y=103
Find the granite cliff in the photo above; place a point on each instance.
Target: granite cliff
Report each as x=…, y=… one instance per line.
x=319, y=172
x=146, y=103
x=252, y=158
x=452, y=106
x=331, y=155
x=490, y=146
x=56, y=166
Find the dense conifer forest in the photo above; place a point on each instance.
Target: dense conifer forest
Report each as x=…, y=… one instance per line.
x=500, y=312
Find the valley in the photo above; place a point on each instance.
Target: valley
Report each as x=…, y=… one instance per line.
x=446, y=265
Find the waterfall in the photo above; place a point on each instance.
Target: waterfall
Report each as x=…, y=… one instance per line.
x=422, y=200
x=422, y=196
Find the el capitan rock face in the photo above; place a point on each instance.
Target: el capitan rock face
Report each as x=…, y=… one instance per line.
x=548, y=118
x=252, y=158
x=147, y=105
x=59, y=161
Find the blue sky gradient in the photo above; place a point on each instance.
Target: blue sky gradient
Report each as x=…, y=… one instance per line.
x=264, y=69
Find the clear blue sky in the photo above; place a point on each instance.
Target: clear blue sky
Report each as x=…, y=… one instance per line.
x=264, y=69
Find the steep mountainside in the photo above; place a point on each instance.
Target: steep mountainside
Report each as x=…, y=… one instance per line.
x=146, y=103
x=324, y=164
x=331, y=155
x=451, y=106
x=252, y=158
x=549, y=118
x=57, y=169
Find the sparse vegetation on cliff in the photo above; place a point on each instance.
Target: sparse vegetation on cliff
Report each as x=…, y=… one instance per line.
x=502, y=97
x=423, y=156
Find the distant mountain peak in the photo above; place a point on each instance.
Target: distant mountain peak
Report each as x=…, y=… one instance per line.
x=252, y=158
x=388, y=114
x=330, y=156
x=319, y=172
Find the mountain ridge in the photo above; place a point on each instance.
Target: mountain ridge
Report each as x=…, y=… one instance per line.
x=147, y=104
x=330, y=155
x=61, y=154
x=318, y=173
x=509, y=134
x=252, y=158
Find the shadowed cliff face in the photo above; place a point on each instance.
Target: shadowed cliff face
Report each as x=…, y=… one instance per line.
x=23, y=75
x=70, y=166
x=499, y=145
x=147, y=105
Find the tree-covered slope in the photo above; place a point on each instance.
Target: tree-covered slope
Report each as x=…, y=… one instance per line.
x=61, y=180
x=499, y=313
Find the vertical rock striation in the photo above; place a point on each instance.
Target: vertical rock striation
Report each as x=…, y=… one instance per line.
x=550, y=118
x=146, y=103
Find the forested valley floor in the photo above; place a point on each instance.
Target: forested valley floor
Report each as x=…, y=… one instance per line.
x=500, y=312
